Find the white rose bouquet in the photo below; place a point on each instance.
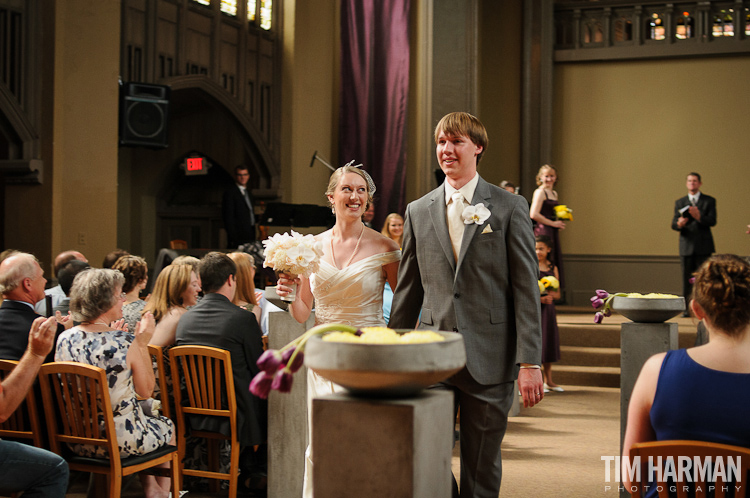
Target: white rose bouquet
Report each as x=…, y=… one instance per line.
x=295, y=254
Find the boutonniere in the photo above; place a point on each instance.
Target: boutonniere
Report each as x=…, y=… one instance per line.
x=475, y=214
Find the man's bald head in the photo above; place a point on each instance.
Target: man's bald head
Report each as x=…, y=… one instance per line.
x=66, y=257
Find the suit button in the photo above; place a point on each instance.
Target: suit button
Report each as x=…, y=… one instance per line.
x=456, y=295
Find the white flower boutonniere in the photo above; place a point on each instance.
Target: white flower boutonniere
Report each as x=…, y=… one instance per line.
x=475, y=214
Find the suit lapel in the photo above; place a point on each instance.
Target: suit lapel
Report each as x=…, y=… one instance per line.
x=481, y=194
x=440, y=224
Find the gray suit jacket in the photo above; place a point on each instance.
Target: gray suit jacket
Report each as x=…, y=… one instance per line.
x=490, y=295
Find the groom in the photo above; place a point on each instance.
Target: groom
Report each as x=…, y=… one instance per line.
x=473, y=270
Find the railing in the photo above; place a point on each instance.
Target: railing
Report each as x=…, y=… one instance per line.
x=606, y=30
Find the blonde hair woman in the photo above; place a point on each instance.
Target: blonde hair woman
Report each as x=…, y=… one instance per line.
x=175, y=289
x=393, y=228
x=542, y=211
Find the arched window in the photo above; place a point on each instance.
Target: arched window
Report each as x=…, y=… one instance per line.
x=723, y=23
x=684, y=26
x=623, y=29
x=656, y=27
x=229, y=7
x=593, y=32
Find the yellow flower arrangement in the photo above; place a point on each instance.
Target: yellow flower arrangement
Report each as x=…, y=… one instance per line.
x=563, y=212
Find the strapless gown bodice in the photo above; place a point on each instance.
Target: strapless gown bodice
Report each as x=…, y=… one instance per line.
x=353, y=295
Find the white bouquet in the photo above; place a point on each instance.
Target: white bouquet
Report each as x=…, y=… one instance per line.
x=296, y=254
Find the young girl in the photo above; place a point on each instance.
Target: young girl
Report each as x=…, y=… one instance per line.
x=550, y=333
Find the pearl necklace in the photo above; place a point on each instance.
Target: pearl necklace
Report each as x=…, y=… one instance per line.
x=356, y=247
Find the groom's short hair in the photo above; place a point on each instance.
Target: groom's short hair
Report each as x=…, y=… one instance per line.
x=463, y=124
x=214, y=269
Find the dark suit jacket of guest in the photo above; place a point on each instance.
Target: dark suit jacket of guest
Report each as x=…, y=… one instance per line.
x=15, y=322
x=236, y=217
x=218, y=323
x=490, y=296
x=696, y=237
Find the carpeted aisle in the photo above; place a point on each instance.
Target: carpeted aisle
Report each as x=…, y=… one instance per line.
x=554, y=449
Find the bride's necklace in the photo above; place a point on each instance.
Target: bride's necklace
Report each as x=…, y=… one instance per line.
x=356, y=247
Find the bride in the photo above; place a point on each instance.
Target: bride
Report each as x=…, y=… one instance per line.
x=348, y=288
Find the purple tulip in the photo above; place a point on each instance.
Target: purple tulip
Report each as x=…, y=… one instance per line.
x=282, y=381
x=261, y=385
x=598, y=317
x=691, y=281
x=287, y=355
x=269, y=361
x=607, y=312
x=602, y=294
x=597, y=303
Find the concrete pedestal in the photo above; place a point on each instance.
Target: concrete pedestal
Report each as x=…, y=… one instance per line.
x=373, y=448
x=638, y=342
x=287, y=416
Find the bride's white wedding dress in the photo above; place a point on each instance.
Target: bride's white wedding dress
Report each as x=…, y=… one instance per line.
x=352, y=296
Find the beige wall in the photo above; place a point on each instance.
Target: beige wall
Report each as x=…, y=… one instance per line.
x=309, y=98
x=627, y=133
x=87, y=57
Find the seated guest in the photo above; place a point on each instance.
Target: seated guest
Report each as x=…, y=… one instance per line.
x=56, y=294
x=96, y=301
x=670, y=399
x=135, y=271
x=33, y=471
x=193, y=262
x=112, y=257
x=175, y=289
x=65, y=276
x=21, y=285
x=246, y=296
x=218, y=323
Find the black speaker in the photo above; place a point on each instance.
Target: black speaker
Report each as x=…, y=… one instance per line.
x=144, y=112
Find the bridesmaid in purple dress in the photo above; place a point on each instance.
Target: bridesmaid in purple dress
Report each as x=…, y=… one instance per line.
x=542, y=212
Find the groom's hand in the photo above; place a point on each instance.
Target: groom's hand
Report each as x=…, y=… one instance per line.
x=531, y=385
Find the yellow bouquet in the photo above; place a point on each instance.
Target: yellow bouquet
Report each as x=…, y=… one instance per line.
x=548, y=283
x=563, y=212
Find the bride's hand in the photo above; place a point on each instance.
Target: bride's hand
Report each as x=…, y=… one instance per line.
x=283, y=284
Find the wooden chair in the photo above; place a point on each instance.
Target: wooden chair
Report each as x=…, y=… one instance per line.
x=178, y=244
x=692, y=449
x=76, y=401
x=24, y=423
x=157, y=354
x=205, y=374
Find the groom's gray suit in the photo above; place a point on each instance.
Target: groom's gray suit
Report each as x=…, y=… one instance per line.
x=491, y=297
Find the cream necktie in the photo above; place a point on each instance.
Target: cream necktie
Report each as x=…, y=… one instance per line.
x=455, y=221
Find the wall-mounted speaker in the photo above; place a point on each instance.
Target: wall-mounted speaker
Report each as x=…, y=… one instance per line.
x=144, y=112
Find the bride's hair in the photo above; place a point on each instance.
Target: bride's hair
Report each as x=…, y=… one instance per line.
x=336, y=177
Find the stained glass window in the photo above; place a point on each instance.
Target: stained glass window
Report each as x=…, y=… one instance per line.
x=684, y=28
x=266, y=13
x=251, y=10
x=656, y=25
x=229, y=7
x=203, y=2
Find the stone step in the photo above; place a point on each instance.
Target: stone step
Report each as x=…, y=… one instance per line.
x=577, y=375
x=589, y=356
x=576, y=334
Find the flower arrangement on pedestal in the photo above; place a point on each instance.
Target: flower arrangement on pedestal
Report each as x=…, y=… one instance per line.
x=602, y=301
x=278, y=366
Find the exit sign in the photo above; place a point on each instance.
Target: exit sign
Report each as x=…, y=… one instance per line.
x=196, y=165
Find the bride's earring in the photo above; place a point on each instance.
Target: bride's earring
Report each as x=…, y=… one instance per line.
x=333, y=210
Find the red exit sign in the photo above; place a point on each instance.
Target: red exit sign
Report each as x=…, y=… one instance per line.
x=196, y=165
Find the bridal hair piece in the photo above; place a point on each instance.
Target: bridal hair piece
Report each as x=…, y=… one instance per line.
x=370, y=183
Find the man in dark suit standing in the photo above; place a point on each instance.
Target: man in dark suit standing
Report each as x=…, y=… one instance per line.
x=218, y=323
x=21, y=285
x=694, y=215
x=469, y=266
x=237, y=210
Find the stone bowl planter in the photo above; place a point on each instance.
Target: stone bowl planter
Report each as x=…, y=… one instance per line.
x=648, y=310
x=386, y=370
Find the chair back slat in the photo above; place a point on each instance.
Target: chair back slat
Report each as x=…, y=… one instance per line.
x=157, y=354
x=76, y=397
x=207, y=389
x=24, y=422
x=674, y=449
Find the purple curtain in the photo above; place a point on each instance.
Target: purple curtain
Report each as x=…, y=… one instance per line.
x=374, y=95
